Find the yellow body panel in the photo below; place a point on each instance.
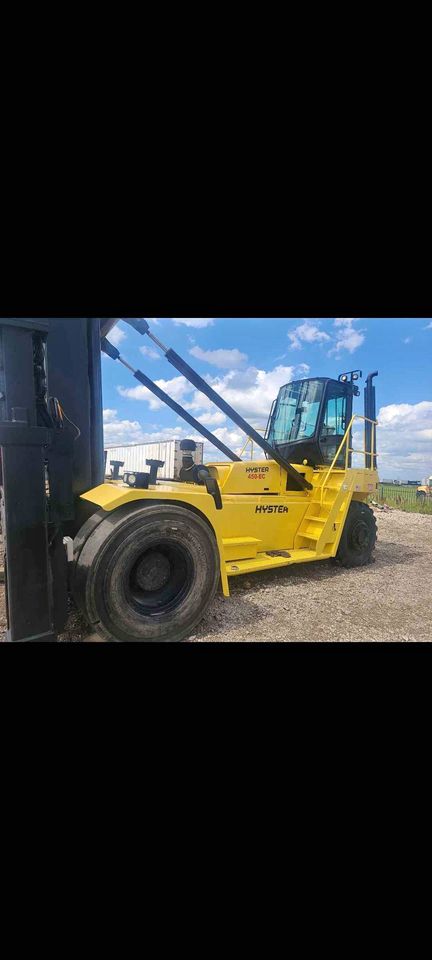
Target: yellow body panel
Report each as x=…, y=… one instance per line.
x=261, y=476
x=259, y=516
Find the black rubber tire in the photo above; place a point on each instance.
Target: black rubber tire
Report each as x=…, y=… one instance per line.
x=147, y=574
x=421, y=496
x=359, y=536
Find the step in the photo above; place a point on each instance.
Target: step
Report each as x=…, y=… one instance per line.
x=309, y=527
x=263, y=562
x=309, y=536
x=240, y=548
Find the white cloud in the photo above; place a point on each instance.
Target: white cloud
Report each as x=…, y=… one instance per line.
x=428, y=326
x=176, y=388
x=251, y=392
x=225, y=359
x=407, y=340
x=405, y=414
x=347, y=337
x=232, y=437
x=119, y=432
x=216, y=419
x=109, y=416
x=150, y=352
x=307, y=332
x=197, y=322
x=116, y=336
x=126, y=432
x=404, y=439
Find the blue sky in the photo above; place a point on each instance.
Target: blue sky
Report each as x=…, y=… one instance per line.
x=248, y=360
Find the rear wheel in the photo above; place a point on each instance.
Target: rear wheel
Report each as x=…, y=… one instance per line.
x=358, y=538
x=147, y=574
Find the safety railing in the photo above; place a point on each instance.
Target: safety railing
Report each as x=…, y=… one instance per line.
x=349, y=449
x=250, y=441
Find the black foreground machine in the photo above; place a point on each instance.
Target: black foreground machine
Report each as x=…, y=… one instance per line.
x=51, y=441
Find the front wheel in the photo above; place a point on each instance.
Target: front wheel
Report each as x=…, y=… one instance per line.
x=358, y=538
x=147, y=574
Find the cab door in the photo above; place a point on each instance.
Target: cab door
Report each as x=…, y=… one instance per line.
x=335, y=418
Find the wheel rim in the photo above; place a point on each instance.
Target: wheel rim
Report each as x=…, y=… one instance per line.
x=360, y=536
x=158, y=579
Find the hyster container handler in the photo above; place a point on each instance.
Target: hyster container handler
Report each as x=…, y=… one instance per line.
x=424, y=491
x=148, y=562
x=148, y=555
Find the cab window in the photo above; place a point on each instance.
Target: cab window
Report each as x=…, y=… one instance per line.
x=334, y=422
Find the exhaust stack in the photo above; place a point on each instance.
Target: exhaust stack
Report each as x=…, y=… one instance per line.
x=370, y=413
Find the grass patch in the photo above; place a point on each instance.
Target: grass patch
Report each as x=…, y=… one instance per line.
x=408, y=506
x=404, y=498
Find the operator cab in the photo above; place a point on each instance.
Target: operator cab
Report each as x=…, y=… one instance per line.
x=309, y=419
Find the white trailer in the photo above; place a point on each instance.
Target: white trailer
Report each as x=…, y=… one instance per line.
x=134, y=457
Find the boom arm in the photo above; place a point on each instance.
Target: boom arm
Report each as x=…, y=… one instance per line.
x=112, y=352
x=201, y=385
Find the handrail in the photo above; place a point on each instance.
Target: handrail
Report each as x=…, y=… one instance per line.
x=250, y=440
x=366, y=453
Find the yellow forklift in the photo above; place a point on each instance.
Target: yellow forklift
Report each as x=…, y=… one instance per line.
x=424, y=492
x=149, y=560
x=149, y=555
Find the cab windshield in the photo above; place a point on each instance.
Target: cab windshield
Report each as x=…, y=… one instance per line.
x=296, y=412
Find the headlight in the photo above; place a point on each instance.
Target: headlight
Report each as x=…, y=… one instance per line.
x=131, y=479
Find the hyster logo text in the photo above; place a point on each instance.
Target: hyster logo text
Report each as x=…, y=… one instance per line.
x=271, y=509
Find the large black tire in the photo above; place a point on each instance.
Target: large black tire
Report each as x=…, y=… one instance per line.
x=421, y=496
x=147, y=574
x=359, y=536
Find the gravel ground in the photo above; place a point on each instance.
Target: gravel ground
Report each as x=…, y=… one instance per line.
x=389, y=600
